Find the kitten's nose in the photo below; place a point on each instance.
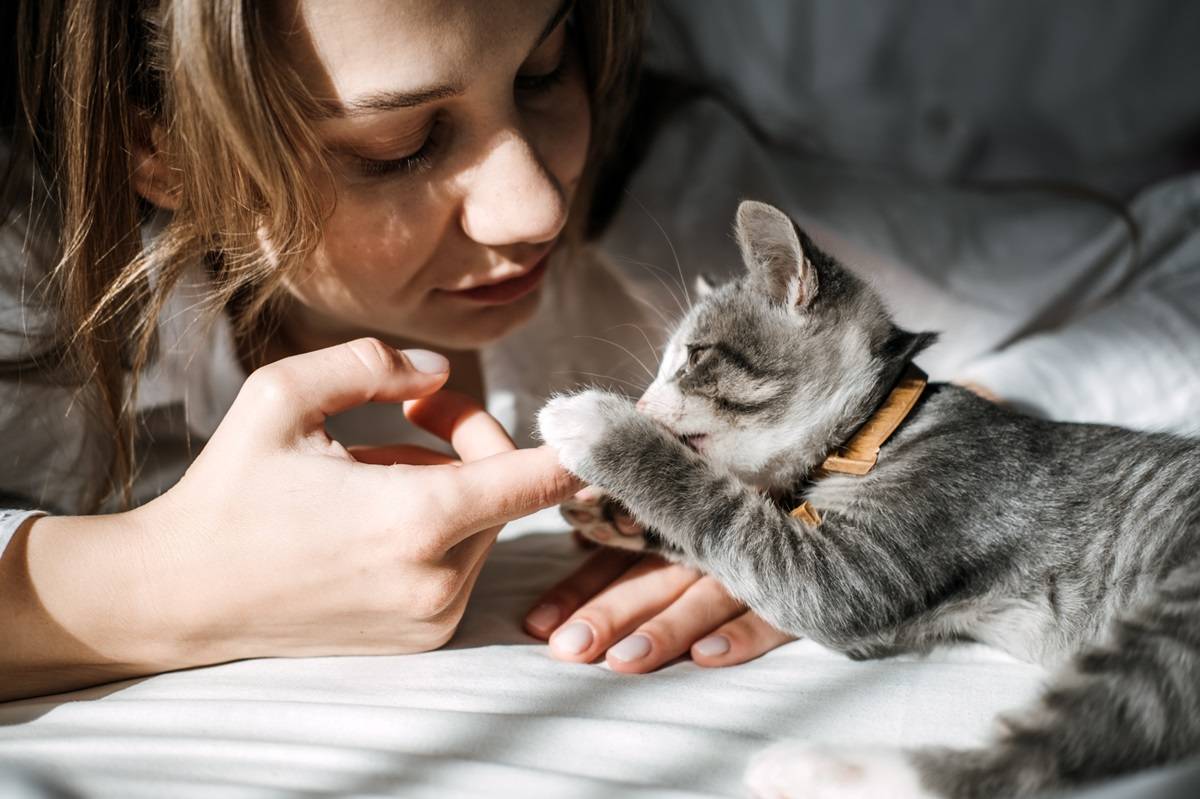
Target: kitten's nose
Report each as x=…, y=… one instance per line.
x=641, y=405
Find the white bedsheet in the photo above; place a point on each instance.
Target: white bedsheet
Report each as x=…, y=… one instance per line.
x=492, y=714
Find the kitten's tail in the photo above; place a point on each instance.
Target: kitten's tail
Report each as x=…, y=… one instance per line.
x=1131, y=704
x=1127, y=705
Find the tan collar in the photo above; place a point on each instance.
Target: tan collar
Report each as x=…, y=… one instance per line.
x=859, y=455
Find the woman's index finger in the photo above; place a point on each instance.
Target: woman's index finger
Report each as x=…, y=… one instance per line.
x=509, y=485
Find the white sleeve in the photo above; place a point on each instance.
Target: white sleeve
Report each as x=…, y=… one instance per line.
x=11, y=520
x=23, y=261
x=49, y=457
x=1134, y=360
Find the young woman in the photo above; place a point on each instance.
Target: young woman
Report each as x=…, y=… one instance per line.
x=229, y=222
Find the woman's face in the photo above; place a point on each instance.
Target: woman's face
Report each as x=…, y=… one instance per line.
x=458, y=132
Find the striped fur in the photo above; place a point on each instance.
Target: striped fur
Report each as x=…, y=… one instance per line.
x=1071, y=545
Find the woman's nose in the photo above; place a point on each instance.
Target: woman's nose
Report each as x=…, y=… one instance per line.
x=512, y=197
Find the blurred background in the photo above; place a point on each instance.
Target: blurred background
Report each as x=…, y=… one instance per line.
x=1021, y=176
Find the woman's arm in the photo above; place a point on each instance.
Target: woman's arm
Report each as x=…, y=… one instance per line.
x=278, y=541
x=77, y=610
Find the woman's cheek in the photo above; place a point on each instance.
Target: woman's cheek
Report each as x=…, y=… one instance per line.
x=376, y=235
x=370, y=254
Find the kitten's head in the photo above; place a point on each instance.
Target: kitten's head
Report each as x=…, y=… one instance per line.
x=768, y=373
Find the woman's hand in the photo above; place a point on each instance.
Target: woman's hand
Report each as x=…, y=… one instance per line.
x=279, y=541
x=641, y=612
x=295, y=546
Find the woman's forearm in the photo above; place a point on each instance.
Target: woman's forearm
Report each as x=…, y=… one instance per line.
x=78, y=607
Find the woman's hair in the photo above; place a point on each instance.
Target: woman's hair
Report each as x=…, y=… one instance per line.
x=206, y=78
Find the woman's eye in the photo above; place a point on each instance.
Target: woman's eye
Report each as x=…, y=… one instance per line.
x=412, y=164
x=544, y=82
x=535, y=84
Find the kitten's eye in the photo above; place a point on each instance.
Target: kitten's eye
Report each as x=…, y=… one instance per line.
x=696, y=354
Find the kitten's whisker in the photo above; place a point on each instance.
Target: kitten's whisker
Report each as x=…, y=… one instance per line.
x=667, y=323
x=655, y=326
x=638, y=388
x=658, y=273
x=675, y=255
x=627, y=351
x=655, y=274
x=650, y=405
x=649, y=344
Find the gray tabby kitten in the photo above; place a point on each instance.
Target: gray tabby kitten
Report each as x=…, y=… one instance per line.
x=1070, y=545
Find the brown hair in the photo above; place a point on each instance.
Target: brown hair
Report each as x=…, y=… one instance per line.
x=94, y=78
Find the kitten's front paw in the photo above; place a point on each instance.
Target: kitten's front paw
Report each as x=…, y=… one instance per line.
x=795, y=769
x=577, y=423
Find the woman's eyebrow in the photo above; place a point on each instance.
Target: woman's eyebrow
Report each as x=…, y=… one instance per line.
x=375, y=102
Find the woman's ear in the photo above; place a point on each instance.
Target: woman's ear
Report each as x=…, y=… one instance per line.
x=153, y=177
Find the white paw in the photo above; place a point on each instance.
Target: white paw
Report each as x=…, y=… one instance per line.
x=600, y=518
x=576, y=423
x=799, y=770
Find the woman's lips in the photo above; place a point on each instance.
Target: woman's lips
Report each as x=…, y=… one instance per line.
x=506, y=290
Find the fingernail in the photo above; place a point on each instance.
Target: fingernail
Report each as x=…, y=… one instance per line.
x=627, y=525
x=572, y=639
x=543, y=617
x=635, y=647
x=712, y=646
x=588, y=494
x=426, y=361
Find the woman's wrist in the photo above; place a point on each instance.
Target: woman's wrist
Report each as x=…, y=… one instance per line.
x=84, y=604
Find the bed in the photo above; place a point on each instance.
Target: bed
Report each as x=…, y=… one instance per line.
x=491, y=715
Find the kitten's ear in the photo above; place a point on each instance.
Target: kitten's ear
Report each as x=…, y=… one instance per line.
x=773, y=254
x=704, y=285
x=905, y=346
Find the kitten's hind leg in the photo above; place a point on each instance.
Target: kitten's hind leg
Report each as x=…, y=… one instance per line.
x=1128, y=704
x=800, y=770
x=599, y=517
x=1131, y=704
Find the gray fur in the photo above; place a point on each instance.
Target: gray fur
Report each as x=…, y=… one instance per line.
x=1071, y=545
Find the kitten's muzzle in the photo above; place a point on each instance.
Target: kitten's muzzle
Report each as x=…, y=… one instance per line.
x=693, y=441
